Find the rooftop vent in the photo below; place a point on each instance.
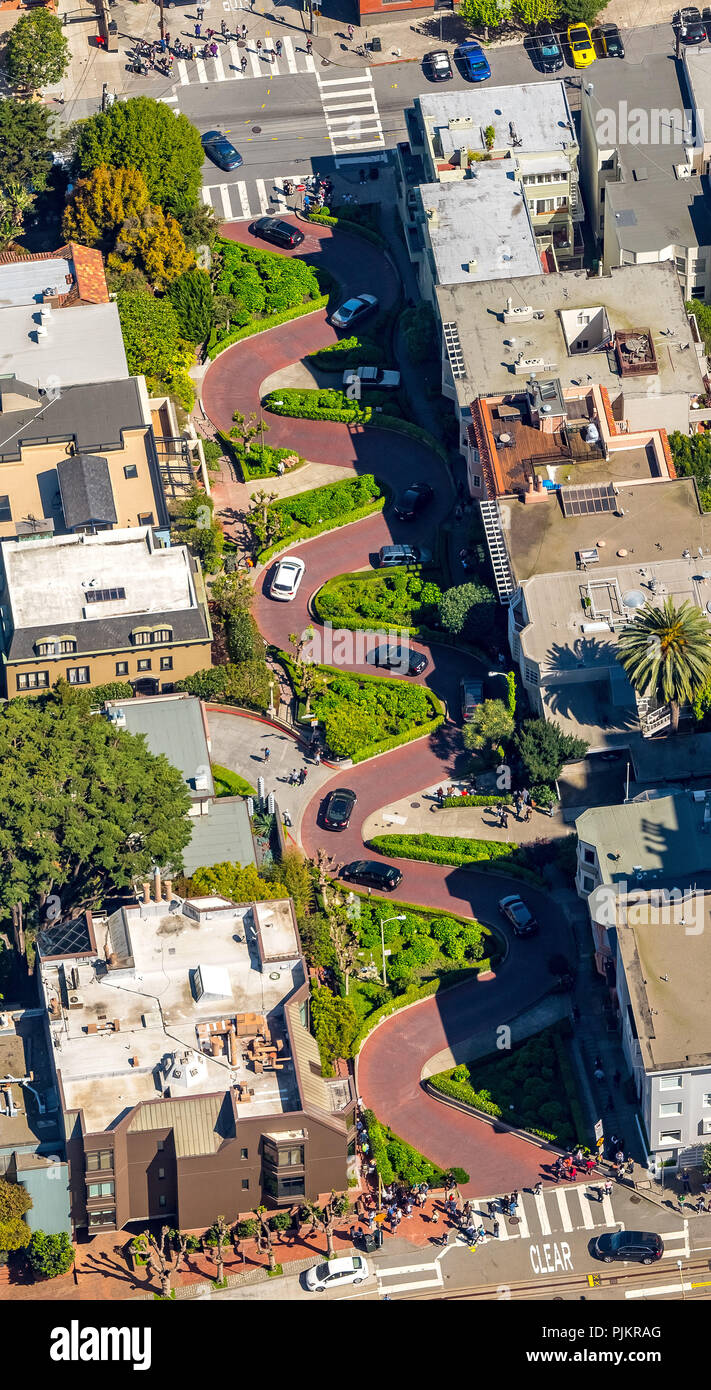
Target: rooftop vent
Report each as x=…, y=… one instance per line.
x=519, y=313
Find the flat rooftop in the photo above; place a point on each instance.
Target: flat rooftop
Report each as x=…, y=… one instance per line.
x=175, y=726
x=26, y=282
x=697, y=73
x=648, y=147
x=223, y=836
x=48, y=578
x=82, y=344
x=480, y=228
x=661, y=520
x=635, y=297
x=538, y=112
x=667, y=968
x=95, y=417
x=151, y=989
x=660, y=212
x=643, y=842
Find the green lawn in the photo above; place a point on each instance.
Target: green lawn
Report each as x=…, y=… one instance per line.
x=363, y=715
x=229, y=783
x=400, y=598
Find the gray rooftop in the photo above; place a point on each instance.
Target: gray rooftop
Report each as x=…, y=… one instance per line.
x=223, y=836
x=94, y=416
x=661, y=212
x=86, y=492
x=667, y=969
x=480, y=228
x=639, y=296
x=648, y=147
x=538, y=111
x=664, y=837
x=173, y=725
x=697, y=73
x=74, y=345
x=25, y=282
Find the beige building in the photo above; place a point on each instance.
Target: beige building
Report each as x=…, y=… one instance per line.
x=91, y=609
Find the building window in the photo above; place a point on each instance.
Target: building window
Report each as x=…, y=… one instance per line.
x=166, y=663
x=698, y=292
x=589, y=856
x=530, y=674
x=476, y=480
x=608, y=163
x=78, y=675
x=244, y=1153
x=284, y=1155
x=673, y=1108
x=5, y=509
x=160, y=1146
x=161, y=1172
x=121, y=668
x=680, y=264
x=101, y=1189
x=33, y=680
x=145, y=518
x=97, y=1159
x=670, y=1136
x=670, y=1083
x=144, y=664
x=60, y=646
x=130, y=470
x=291, y=1187
x=162, y=634
x=245, y=1184
x=161, y=1200
x=141, y=637
x=588, y=883
x=106, y=1217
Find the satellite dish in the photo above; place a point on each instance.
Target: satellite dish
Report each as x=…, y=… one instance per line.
x=634, y=598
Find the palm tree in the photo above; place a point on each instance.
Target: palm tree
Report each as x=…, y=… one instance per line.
x=667, y=652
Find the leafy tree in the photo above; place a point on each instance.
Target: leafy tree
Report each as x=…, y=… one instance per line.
x=692, y=453
x=666, y=652
x=534, y=12
x=191, y=297
x=243, y=637
x=101, y=203
x=467, y=610
x=50, y=1255
x=151, y=241
x=420, y=333
x=153, y=342
x=485, y=14
x=240, y=885
x=25, y=144
x=146, y=135
x=586, y=11
x=199, y=224
x=37, y=53
x=14, y=1202
x=543, y=747
x=15, y=202
x=335, y=1025
x=231, y=594
x=243, y=684
x=316, y=940
x=295, y=872
x=86, y=807
x=490, y=725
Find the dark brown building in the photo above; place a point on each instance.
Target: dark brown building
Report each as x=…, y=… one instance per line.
x=189, y=1081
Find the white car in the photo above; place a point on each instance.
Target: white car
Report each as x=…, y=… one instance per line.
x=287, y=578
x=352, y=1269
x=371, y=376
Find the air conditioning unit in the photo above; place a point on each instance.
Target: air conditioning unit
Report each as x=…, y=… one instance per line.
x=684, y=171
x=707, y=1126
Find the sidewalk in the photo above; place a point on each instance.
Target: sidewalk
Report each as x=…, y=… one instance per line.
x=419, y=814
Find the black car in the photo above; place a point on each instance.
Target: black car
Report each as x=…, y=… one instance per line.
x=547, y=52
x=611, y=39
x=398, y=659
x=644, y=1246
x=689, y=25
x=220, y=150
x=338, y=809
x=437, y=66
x=413, y=501
x=373, y=874
x=280, y=233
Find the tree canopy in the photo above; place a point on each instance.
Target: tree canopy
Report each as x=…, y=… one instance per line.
x=692, y=453
x=25, y=144
x=468, y=610
x=240, y=885
x=101, y=203
x=50, y=1255
x=37, y=53
x=146, y=135
x=15, y=1201
x=191, y=297
x=491, y=724
x=151, y=241
x=86, y=807
x=666, y=652
x=153, y=342
x=543, y=748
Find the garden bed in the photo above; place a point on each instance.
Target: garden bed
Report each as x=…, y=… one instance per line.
x=400, y=598
x=229, y=783
x=396, y=1161
x=442, y=849
x=347, y=352
x=258, y=461
x=364, y=715
x=321, y=509
x=329, y=403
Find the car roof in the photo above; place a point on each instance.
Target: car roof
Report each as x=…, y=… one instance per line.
x=346, y=1265
x=637, y=1238
x=341, y=791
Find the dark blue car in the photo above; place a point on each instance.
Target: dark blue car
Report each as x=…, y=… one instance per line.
x=472, y=61
x=219, y=149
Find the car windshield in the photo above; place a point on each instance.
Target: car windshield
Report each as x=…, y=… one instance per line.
x=321, y=1272
x=550, y=50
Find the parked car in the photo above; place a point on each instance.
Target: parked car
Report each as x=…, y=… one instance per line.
x=390, y=555
x=644, y=1246
x=610, y=38
x=582, y=48
x=472, y=61
x=392, y=657
x=338, y=809
x=381, y=377
x=521, y=918
x=280, y=233
x=287, y=578
x=546, y=50
x=221, y=150
x=373, y=874
x=471, y=694
x=436, y=65
x=414, y=501
x=689, y=25
x=351, y=1269
x=354, y=310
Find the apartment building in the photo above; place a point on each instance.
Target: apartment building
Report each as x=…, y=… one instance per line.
x=118, y=605
x=454, y=133
x=643, y=172
x=190, y=1084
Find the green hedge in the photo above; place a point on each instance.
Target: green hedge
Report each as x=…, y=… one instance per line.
x=386, y=744
x=229, y=783
x=441, y=849
x=261, y=325
x=382, y=745
x=496, y=799
x=316, y=404
x=396, y=1159
x=466, y=1095
x=324, y=499
x=260, y=462
x=347, y=352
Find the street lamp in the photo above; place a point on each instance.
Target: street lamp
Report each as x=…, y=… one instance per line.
x=399, y=917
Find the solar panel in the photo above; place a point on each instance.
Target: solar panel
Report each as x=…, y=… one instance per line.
x=103, y=595
x=590, y=500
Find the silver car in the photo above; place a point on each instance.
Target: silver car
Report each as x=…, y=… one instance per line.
x=354, y=310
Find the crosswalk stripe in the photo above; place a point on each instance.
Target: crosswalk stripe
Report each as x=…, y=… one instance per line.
x=244, y=201
x=262, y=195
x=608, y=1212
x=350, y=116
x=331, y=104
x=255, y=62
x=272, y=65
x=290, y=54
x=310, y=63
x=201, y=70
x=365, y=145
x=522, y=1221
x=542, y=1214
x=342, y=81
x=236, y=62
x=226, y=204
x=183, y=71
x=205, y=194
x=217, y=60
x=585, y=1207
x=563, y=1206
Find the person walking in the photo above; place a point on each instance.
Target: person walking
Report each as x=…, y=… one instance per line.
x=201, y=11
x=303, y=775
x=243, y=63
x=589, y=1164
x=309, y=45
x=495, y=1228
x=198, y=30
x=167, y=40
x=223, y=29
x=267, y=754
x=528, y=815
x=538, y=1189
x=607, y=1188
x=682, y=1202
x=351, y=32
x=259, y=47
x=278, y=48
x=686, y=1181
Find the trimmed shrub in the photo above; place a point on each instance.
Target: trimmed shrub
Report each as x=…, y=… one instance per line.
x=441, y=849
x=236, y=335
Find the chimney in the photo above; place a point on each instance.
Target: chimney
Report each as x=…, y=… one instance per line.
x=168, y=890
x=232, y=1040
x=156, y=884
x=146, y=892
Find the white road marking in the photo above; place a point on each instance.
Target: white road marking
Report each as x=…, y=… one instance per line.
x=264, y=204
x=585, y=1205
x=244, y=201
x=290, y=55
x=539, y=1199
x=563, y=1206
x=226, y=205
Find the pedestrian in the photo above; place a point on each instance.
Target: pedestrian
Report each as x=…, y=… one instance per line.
x=201, y=11
x=198, y=30
x=589, y=1164
x=528, y=814
x=167, y=40
x=434, y=1216
x=243, y=63
x=371, y=1220
x=278, y=47
x=303, y=775
x=686, y=1180
x=578, y=1155
x=213, y=49
x=408, y=1208
x=267, y=754
x=223, y=28
x=353, y=1233
x=480, y=1234
x=573, y=1172
x=620, y=1158
x=361, y=176
x=243, y=31
x=191, y=51
x=504, y=820
x=538, y=1189
x=259, y=45
x=682, y=1200
x=210, y=33
x=350, y=33
x=317, y=758
x=607, y=1188
x=629, y=1168
x=309, y=45
x=495, y=1229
